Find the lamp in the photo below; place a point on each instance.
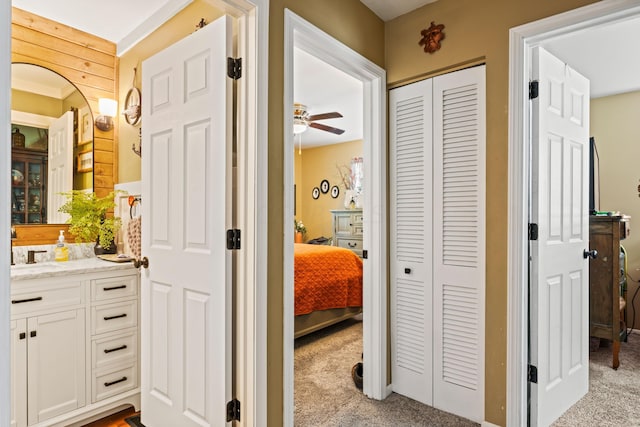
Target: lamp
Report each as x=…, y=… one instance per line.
x=299, y=118
x=108, y=109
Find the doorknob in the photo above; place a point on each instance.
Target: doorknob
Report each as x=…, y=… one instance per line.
x=593, y=254
x=144, y=262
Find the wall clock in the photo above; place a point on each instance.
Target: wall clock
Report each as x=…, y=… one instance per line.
x=315, y=193
x=335, y=191
x=324, y=186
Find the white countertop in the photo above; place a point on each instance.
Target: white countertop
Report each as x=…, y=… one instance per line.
x=52, y=268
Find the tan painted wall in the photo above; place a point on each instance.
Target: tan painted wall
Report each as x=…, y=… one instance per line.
x=36, y=104
x=616, y=128
x=178, y=27
x=477, y=32
x=314, y=165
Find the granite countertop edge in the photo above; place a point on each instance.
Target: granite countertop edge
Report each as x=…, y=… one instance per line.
x=53, y=268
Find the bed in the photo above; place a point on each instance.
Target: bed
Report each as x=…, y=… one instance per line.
x=328, y=286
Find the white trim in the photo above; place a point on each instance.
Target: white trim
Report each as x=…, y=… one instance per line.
x=521, y=40
x=5, y=221
x=305, y=36
x=149, y=25
x=488, y=424
x=30, y=119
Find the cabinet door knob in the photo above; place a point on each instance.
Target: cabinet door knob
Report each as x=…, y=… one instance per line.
x=407, y=271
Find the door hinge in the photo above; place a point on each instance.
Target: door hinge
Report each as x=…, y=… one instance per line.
x=533, y=231
x=233, y=239
x=365, y=254
x=532, y=374
x=234, y=68
x=533, y=89
x=233, y=410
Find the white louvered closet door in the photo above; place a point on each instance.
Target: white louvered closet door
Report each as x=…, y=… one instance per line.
x=437, y=188
x=411, y=183
x=459, y=242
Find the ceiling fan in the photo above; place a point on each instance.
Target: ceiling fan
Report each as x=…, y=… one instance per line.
x=302, y=120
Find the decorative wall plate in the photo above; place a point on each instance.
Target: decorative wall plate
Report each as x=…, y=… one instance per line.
x=335, y=191
x=324, y=186
x=315, y=193
x=132, y=106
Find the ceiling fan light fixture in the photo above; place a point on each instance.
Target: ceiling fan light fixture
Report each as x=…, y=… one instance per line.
x=299, y=126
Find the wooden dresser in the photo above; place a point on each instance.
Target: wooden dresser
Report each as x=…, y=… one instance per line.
x=347, y=229
x=605, y=299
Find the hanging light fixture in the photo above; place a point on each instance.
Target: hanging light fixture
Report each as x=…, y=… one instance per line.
x=299, y=123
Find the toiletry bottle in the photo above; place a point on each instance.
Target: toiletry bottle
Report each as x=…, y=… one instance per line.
x=61, y=251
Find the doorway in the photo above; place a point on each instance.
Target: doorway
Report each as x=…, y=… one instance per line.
x=301, y=34
x=522, y=40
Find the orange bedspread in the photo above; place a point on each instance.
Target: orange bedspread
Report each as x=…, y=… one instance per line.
x=326, y=277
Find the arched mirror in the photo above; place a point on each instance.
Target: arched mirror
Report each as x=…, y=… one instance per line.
x=51, y=144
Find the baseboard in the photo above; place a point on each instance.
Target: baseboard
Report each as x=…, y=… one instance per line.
x=488, y=424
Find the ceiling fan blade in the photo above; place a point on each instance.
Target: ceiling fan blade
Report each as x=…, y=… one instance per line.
x=326, y=128
x=333, y=115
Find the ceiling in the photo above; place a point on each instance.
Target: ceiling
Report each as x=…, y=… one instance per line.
x=605, y=54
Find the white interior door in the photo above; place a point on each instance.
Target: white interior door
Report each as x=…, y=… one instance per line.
x=60, y=167
x=186, y=298
x=411, y=158
x=559, y=294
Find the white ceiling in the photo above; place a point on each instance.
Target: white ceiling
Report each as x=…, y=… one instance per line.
x=389, y=9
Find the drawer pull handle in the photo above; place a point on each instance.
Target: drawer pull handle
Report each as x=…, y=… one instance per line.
x=111, y=350
x=407, y=271
x=109, y=384
x=352, y=245
x=20, y=301
x=115, y=317
x=113, y=288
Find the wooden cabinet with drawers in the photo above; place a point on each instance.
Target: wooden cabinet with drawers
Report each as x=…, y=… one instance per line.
x=347, y=229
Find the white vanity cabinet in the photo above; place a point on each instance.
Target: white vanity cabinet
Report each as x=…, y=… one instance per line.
x=74, y=348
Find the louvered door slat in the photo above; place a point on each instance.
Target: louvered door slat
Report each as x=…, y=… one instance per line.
x=410, y=110
x=459, y=242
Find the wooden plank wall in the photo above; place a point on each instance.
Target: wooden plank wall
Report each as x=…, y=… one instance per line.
x=87, y=61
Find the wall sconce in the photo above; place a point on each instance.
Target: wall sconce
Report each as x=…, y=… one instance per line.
x=108, y=109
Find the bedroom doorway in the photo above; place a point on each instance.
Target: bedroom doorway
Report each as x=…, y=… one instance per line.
x=318, y=199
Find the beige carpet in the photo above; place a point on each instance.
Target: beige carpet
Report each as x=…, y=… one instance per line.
x=325, y=394
x=614, y=395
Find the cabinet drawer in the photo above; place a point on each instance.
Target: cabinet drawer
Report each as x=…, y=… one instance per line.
x=110, y=383
x=113, y=287
x=353, y=244
x=356, y=218
x=111, y=317
x=48, y=296
x=118, y=349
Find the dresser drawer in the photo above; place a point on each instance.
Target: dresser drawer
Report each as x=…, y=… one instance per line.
x=353, y=244
x=112, y=350
x=107, y=384
x=45, y=295
x=111, y=317
x=114, y=287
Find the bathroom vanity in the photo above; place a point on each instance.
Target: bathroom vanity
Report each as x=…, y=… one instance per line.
x=74, y=341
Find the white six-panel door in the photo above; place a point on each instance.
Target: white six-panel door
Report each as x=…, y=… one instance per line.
x=59, y=167
x=186, y=299
x=437, y=174
x=559, y=297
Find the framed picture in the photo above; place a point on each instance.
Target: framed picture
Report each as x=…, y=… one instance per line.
x=335, y=191
x=315, y=193
x=85, y=161
x=324, y=186
x=86, y=125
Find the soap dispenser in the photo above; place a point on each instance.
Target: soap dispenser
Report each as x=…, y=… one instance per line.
x=61, y=251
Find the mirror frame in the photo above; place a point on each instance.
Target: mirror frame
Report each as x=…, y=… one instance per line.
x=91, y=64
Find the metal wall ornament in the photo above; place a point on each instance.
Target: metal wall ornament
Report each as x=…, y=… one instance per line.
x=431, y=37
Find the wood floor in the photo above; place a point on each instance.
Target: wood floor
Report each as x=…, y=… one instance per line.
x=115, y=420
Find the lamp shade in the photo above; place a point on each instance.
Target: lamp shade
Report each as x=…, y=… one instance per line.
x=108, y=107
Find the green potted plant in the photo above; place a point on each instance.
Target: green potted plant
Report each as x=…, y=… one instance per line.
x=88, y=219
x=300, y=230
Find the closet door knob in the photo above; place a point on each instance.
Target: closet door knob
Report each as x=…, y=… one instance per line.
x=144, y=262
x=593, y=254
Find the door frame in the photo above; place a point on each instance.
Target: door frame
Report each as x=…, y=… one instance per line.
x=251, y=382
x=302, y=34
x=522, y=39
